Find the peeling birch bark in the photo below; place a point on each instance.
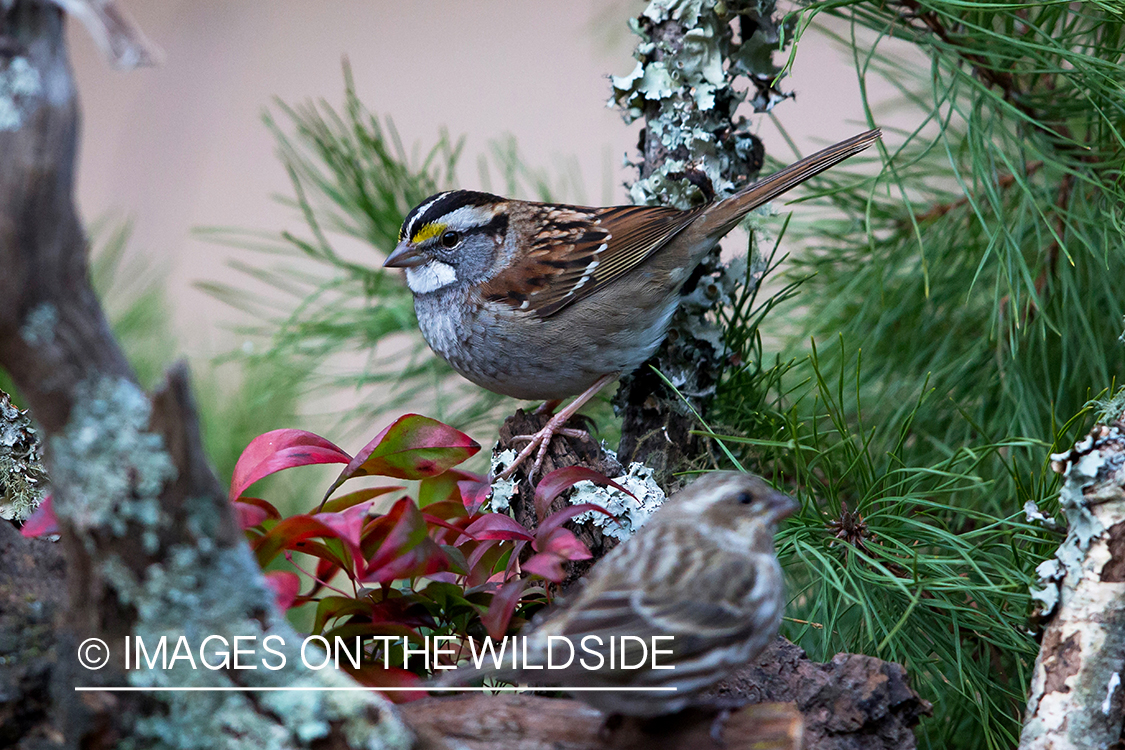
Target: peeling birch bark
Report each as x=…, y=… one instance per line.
x=1076, y=698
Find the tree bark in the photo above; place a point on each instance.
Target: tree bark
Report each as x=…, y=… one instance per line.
x=1077, y=700
x=149, y=539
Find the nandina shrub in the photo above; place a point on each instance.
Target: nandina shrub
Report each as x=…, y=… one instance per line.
x=434, y=563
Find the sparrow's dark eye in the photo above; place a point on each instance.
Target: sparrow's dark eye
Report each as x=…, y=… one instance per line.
x=450, y=240
x=745, y=498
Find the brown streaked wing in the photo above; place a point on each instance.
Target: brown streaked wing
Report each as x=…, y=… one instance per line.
x=713, y=606
x=587, y=249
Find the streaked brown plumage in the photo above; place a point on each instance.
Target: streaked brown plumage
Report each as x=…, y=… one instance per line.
x=547, y=301
x=702, y=570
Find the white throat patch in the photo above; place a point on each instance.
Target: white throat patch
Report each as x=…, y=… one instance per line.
x=430, y=277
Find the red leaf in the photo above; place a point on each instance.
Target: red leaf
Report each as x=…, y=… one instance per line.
x=42, y=521
x=546, y=564
x=500, y=610
x=348, y=524
x=281, y=449
x=422, y=560
x=565, y=544
x=286, y=585
x=497, y=526
x=378, y=676
x=402, y=528
x=268, y=507
x=288, y=533
x=559, y=517
x=414, y=447
x=344, y=502
x=473, y=493
x=479, y=551
x=249, y=515
x=560, y=480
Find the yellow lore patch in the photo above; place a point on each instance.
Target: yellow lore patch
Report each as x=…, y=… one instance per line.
x=428, y=232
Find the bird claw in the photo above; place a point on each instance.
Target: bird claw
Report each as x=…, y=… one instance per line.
x=542, y=439
x=539, y=443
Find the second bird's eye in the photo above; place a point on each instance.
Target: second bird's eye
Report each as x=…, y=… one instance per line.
x=450, y=240
x=745, y=498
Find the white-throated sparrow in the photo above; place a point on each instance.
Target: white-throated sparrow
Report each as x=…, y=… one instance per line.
x=546, y=301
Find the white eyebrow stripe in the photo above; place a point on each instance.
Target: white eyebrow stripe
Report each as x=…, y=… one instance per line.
x=408, y=232
x=468, y=217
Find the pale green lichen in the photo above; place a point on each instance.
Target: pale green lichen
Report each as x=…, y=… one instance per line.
x=110, y=466
x=503, y=490
x=691, y=76
x=630, y=512
x=39, y=326
x=686, y=90
x=18, y=83
x=111, y=474
x=23, y=480
x=198, y=593
x=1083, y=466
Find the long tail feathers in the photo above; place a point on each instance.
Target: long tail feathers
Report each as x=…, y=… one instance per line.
x=769, y=188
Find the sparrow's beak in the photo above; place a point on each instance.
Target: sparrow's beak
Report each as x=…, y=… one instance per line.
x=781, y=505
x=405, y=256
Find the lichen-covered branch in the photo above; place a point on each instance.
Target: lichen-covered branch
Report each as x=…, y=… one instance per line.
x=1077, y=701
x=692, y=64
x=150, y=543
x=23, y=480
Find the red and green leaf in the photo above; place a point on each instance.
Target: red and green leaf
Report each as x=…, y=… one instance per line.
x=343, y=502
x=500, y=610
x=278, y=450
x=560, y=480
x=413, y=447
x=394, y=534
x=421, y=560
x=286, y=534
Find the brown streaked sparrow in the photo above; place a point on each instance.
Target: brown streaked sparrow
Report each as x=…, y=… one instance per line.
x=702, y=570
x=546, y=301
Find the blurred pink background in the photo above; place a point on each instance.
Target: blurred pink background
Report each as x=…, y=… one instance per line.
x=183, y=146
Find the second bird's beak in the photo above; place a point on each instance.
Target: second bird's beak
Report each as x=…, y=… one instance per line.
x=405, y=256
x=781, y=505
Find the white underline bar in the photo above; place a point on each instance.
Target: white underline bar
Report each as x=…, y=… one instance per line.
x=230, y=689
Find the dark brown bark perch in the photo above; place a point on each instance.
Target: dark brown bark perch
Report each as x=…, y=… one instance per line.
x=486, y=722
x=854, y=702
x=32, y=596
